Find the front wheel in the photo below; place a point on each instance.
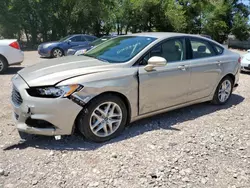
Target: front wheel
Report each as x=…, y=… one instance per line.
x=223, y=91
x=103, y=118
x=57, y=52
x=3, y=65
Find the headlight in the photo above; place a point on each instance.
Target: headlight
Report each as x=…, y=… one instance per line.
x=54, y=92
x=80, y=52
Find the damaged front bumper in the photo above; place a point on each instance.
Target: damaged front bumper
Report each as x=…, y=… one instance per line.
x=42, y=116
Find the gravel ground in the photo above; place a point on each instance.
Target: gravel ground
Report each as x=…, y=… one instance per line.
x=198, y=146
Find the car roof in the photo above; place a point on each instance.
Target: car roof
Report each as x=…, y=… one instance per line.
x=82, y=34
x=163, y=35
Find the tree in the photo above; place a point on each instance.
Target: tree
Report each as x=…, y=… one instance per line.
x=43, y=20
x=240, y=28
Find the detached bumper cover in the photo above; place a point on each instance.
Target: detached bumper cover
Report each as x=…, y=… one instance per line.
x=60, y=112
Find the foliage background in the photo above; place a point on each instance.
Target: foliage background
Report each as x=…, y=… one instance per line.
x=44, y=20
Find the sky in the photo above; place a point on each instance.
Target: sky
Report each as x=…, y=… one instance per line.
x=247, y=2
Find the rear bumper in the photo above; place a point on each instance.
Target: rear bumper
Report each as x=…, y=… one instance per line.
x=17, y=58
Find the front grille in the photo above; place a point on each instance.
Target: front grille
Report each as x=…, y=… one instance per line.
x=36, y=123
x=16, y=97
x=247, y=68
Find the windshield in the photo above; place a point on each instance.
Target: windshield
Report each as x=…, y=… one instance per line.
x=121, y=49
x=64, y=38
x=100, y=40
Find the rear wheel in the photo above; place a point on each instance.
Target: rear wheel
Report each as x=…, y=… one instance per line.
x=223, y=91
x=57, y=52
x=3, y=65
x=103, y=118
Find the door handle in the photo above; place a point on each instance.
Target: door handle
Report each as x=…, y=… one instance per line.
x=219, y=63
x=182, y=67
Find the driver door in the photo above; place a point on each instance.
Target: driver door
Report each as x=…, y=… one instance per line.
x=164, y=86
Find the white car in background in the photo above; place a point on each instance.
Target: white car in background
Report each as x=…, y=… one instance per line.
x=10, y=54
x=245, y=62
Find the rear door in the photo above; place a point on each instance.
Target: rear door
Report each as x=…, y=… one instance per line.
x=205, y=68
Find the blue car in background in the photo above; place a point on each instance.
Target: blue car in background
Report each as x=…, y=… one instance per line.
x=60, y=48
x=79, y=50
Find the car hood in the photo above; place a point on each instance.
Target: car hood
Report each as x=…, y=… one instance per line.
x=51, y=72
x=50, y=43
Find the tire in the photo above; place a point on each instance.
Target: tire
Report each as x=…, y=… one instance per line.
x=57, y=52
x=3, y=65
x=86, y=118
x=217, y=99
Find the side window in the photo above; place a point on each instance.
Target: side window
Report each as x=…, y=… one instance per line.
x=89, y=38
x=219, y=50
x=201, y=49
x=172, y=50
x=83, y=39
x=76, y=38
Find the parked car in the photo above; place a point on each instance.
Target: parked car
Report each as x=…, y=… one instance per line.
x=245, y=62
x=79, y=50
x=60, y=48
x=10, y=54
x=120, y=81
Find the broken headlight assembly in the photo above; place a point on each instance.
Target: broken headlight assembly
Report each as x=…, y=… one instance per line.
x=54, y=91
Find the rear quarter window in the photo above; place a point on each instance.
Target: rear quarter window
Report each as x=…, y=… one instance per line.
x=219, y=50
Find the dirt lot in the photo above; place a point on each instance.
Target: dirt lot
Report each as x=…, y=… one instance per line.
x=198, y=146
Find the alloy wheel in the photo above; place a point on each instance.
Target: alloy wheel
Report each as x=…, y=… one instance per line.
x=57, y=53
x=225, y=91
x=105, y=119
x=1, y=65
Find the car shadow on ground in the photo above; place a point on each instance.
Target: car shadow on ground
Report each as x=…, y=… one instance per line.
x=12, y=70
x=165, y=121
x=42, y=57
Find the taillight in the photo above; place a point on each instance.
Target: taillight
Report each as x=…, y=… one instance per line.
x=15, y=45
x=239, y=60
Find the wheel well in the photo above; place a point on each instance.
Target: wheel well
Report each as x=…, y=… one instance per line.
x=121, y=96
x=4, y=58
x=231, y=76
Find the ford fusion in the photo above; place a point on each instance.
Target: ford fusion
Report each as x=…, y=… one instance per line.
x=122, y=80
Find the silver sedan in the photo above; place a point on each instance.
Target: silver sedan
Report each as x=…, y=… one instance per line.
x=120, y=81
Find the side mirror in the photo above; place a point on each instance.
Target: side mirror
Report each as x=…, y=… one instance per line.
x=248, y=51
x=69, y=41
x=155, y=61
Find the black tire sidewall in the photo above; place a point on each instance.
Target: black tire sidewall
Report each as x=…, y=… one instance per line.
x=85, y=114
x=216, y=95
x=5, y=65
